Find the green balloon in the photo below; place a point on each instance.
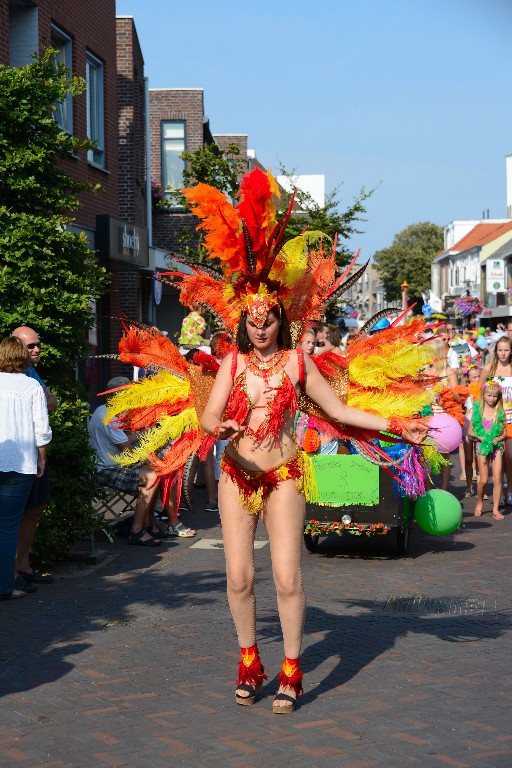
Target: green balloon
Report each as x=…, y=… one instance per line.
x=438, y=512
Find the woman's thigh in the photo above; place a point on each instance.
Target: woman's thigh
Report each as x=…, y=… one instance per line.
x=238, y=528
x=283, y=516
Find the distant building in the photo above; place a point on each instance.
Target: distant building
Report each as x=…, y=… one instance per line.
x=312, y=184
x=477, y=265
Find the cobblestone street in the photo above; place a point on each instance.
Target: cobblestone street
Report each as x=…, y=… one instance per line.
x=132, y=662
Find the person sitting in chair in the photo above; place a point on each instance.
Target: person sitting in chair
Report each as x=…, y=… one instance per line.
x=108, y=441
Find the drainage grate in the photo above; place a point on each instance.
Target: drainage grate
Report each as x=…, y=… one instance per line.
x=421, y=605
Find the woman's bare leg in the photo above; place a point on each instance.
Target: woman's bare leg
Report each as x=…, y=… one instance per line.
x=283, y=516
x=238, y=532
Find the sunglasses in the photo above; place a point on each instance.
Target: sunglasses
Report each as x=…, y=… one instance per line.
x=34, y=345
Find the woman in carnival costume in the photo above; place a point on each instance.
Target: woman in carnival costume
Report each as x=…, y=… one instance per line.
x=264, y=290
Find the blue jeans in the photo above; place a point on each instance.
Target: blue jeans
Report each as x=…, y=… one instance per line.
x=14, y=491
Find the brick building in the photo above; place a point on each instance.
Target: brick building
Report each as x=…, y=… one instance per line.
x=86, y=37
x=177, y=123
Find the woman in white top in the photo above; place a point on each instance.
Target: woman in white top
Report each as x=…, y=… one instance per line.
x=500, y=369
x=24, y=435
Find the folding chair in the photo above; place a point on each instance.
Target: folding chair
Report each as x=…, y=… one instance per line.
x=115, y=505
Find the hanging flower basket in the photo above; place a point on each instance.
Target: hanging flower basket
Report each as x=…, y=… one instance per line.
x=465, y=306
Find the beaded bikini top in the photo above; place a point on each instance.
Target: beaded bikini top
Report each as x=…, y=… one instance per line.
x=281, y=400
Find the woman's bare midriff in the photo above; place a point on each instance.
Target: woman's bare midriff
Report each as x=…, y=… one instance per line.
x=260, y=457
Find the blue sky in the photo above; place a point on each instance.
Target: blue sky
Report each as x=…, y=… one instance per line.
x=409, y=96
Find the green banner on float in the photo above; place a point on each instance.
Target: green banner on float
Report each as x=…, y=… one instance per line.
x=344, y=480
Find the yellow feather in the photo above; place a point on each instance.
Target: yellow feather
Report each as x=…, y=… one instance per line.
x=169, y=428
x=164, y=387
x=397, y=362
x=292, y=261
x=390, y=404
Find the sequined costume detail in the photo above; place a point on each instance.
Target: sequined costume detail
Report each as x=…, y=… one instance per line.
x=254, y=487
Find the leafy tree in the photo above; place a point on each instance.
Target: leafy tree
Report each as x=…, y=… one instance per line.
x=220, y=168
x=48, y=274
x=408, y=259
x=327, y=217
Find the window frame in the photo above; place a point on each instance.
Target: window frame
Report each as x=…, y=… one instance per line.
x=63, y=111
x=95, y=109
x=166, y=188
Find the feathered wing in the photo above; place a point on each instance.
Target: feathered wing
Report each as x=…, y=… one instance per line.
x=164, y=409
x=381, y=375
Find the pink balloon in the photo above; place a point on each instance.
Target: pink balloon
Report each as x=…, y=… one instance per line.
x=448, y=432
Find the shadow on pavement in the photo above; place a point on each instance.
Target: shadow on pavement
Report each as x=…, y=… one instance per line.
x=360, y=639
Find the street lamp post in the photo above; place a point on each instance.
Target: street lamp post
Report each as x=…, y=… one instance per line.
x=404, y=287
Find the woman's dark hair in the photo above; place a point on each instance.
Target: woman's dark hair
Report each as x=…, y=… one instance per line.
x=284, y=339
x=334, y=335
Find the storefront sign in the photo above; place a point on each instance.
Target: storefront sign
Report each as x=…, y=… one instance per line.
x=495, y=275
x=120, y=240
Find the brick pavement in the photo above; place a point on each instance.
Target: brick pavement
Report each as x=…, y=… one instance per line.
x=131, y=664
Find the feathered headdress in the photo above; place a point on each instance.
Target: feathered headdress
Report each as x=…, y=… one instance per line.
x=259, y=270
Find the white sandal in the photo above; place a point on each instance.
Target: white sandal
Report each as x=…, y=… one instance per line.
x=178, y=529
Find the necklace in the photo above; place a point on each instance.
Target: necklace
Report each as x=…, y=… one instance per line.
x=269, y=367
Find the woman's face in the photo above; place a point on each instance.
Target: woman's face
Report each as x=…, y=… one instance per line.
x=308, y=343
x=264, y=338
x=503, y=352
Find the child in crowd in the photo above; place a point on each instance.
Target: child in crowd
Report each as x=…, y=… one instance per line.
x=499, y=368
x=471, y=375
x=488, y=430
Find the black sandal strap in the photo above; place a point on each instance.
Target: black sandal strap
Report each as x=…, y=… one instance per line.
x=247, y=688
x=284, y=697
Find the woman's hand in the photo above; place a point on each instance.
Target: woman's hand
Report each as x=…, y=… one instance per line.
x=415, y=430
x=227, y=429
x=40, y=466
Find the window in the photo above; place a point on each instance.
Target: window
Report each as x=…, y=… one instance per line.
x=63, y=110
x=173, y=144
x=95, y=112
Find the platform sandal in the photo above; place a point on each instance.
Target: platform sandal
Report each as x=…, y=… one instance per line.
x=290, y=676
x=250, y=676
